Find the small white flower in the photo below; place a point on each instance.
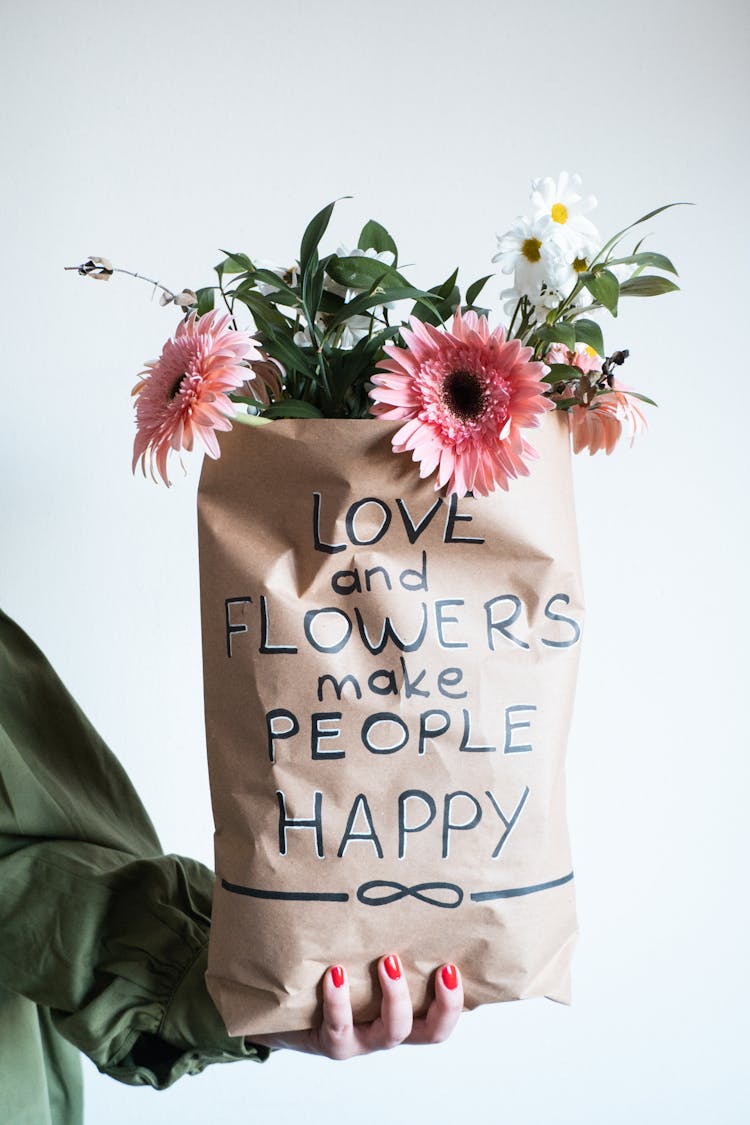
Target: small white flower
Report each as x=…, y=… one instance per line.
x=542, y=301
x=562, y=203
x=288, y=274
x=355, y=329
x=576, y=263
x=302, y=338
x=529, y=250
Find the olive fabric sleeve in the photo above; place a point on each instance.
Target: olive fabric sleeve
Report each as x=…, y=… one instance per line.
x=96, y=924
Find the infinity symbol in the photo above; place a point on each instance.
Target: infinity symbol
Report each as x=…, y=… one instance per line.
x=400, y=891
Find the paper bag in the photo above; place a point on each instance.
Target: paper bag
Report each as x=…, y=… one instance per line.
x=389, y=676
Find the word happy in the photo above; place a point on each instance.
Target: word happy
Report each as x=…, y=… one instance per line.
x=416, y=812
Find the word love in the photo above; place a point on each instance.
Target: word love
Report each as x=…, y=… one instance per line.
x=380, y=516
x=416, y=812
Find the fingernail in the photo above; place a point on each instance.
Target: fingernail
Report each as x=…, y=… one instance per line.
x=392, y=967
x=450, y=976
x=337, y=976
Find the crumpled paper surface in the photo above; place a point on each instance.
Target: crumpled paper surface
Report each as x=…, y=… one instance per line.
x=389, y=677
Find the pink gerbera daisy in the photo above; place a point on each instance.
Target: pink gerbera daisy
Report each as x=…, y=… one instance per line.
x=464, y=395
x=184, y=394
x=600, y=425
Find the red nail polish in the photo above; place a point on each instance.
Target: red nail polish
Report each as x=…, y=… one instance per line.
x=337, y=976
x=392, y=967
x=450, y=976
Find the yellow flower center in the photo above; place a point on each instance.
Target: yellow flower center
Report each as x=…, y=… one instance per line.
x=531, y=249
x=580, y=264
x=559, y=213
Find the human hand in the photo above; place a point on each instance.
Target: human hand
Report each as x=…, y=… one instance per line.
x=338, y=1037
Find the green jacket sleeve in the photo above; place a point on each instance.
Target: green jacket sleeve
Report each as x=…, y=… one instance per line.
x=96, y=924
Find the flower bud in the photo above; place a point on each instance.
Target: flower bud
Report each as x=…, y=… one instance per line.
x=98, y=268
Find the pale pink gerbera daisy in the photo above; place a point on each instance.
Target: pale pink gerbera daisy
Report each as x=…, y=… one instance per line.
x=600, y=425
x=184, y=394
x=464, y=395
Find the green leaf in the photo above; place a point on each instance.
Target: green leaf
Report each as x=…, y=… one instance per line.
x=357, y=272
x=330, y=303
x=312, y=290
x=234, y=263
x=282, y=348
x=292, y=408
x=643, y=398
x=447, y=287
x=437, y=312
x=316, y=228
x=284, y=296
x=441, y=301
x=589, y=332
x=657, y=261
x=369, y=301
x=205, y=300
x=561, y=373
x=476, y=288
x=251, y=419
x=647, y=285
x=264, y=312
x=375, y=237
x=604, y=287
x=561, y=333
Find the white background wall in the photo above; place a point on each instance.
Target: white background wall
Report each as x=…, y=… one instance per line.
x=155, y=133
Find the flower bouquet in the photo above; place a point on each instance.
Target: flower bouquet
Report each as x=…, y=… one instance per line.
x=390, y=642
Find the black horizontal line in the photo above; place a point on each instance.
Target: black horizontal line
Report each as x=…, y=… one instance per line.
x=289, y=896
x=515, y=892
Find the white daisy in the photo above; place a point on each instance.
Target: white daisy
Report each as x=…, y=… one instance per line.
x=529, y=251
x=575, y=263
x=562, y=203
x=288, y=274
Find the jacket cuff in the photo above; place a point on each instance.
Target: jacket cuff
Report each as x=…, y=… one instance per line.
x=190, y=1037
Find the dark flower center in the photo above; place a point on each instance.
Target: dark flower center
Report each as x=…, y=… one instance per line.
x=174, y=389
x=463, y=394
x=532, y=250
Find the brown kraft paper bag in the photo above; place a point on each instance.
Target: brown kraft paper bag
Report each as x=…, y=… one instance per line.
x=389, y=677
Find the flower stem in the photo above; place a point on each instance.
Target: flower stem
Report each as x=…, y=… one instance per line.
x=140, y=276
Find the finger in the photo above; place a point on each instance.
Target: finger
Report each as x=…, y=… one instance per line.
x=396, y=1014
x=336, y=1033
x=443, y=1012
